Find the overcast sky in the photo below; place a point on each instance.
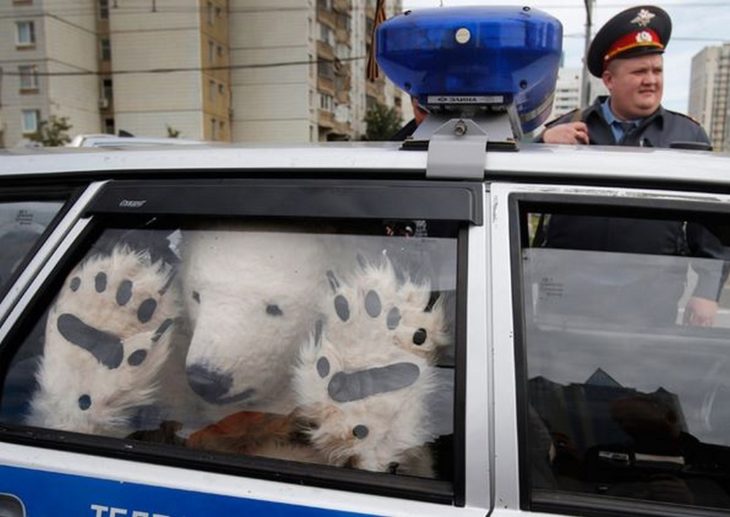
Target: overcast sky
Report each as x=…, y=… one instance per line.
x=696, y=24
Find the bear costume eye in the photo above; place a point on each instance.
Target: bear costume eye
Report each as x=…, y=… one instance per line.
x=273, y=310
x=84, y=402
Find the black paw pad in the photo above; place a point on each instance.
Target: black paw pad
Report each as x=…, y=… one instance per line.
x=323, y=367
x=372, y=304
x=419, y=336
x=360, y=431
x=352, y=386
x=75, y=284
x=100, y=282
x=342, y=308
x=124, y=292
x=105, y=347
x=84, y=402
x=146, y=310
x=137, y=357
x=393, y=318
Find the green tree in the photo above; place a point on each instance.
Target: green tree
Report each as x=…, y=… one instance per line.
x=52, y=132
x=382, y=122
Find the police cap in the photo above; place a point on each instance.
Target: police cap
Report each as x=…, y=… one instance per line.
x=636, y=31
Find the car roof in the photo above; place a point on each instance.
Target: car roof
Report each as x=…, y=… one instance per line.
x=105, y=140
x=538, y=162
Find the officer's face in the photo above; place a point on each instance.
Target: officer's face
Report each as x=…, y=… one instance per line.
x=635, y=85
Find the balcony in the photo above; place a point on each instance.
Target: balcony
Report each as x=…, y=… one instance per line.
x=326, y=17
x=375, y=89
x=325, y=51
x=326, y=119
x=342, y=6
x=326, y=85
x=342, y=36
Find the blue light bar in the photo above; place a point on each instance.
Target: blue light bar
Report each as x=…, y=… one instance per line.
x=507, y=53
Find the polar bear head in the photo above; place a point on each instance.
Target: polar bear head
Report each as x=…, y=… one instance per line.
x=252, y=297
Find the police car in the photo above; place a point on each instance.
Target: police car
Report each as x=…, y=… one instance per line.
x=378, y=329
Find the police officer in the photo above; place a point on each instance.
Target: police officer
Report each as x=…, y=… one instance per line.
x=627, y=54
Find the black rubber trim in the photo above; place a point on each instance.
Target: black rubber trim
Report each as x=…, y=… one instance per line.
x=462, y=266
x=358, y=199
x=338, y=478
x=606, y=205
x=565, y=503
x=517, y=241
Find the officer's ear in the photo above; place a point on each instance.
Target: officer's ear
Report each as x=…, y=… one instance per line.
x=607, y=77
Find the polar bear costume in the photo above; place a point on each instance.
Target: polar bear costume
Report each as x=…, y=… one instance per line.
x=364, y=381
x=252, y=298
x=272, y=325
x=108, y=337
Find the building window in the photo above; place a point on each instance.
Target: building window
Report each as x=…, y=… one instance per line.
x=109, y=126
x=221, y=89
x=326, y=102
x=219, y=50
x=213, y=128
x=326, y=69
x=28, y=77
x=326, y=35
x=210, y=11
x=106, y=49
x=211, y=90
x=104, y=9
x=107, y=93
x=30, y=121
x=211, y=51
x=24, y=34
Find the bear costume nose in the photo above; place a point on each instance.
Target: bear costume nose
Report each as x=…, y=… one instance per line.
x=209, y=385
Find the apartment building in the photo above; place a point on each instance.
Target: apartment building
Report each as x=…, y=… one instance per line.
x=48, y=66
x=708, y=93
x=299, y=69
x=568, y=90
x=227, y=70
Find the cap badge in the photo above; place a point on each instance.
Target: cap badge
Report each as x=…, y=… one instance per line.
x=643, y=18
x=643, y=37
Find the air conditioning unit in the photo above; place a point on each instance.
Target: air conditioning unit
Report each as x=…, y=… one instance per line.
x=103, y=103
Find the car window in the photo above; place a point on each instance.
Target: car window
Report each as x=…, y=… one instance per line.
x=327, y=343
x=626, y=336
x=21, y=225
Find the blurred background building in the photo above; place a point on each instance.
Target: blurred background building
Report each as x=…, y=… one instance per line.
x=220, y=70
x=708, y=94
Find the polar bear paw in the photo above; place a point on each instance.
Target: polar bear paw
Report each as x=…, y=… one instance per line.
x=111, y=325
x=363, y=377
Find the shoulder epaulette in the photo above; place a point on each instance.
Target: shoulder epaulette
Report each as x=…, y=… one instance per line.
x=685, y=116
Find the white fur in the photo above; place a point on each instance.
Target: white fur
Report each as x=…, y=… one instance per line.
x=236, y=272
x=68, y=372
x=397, y=421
